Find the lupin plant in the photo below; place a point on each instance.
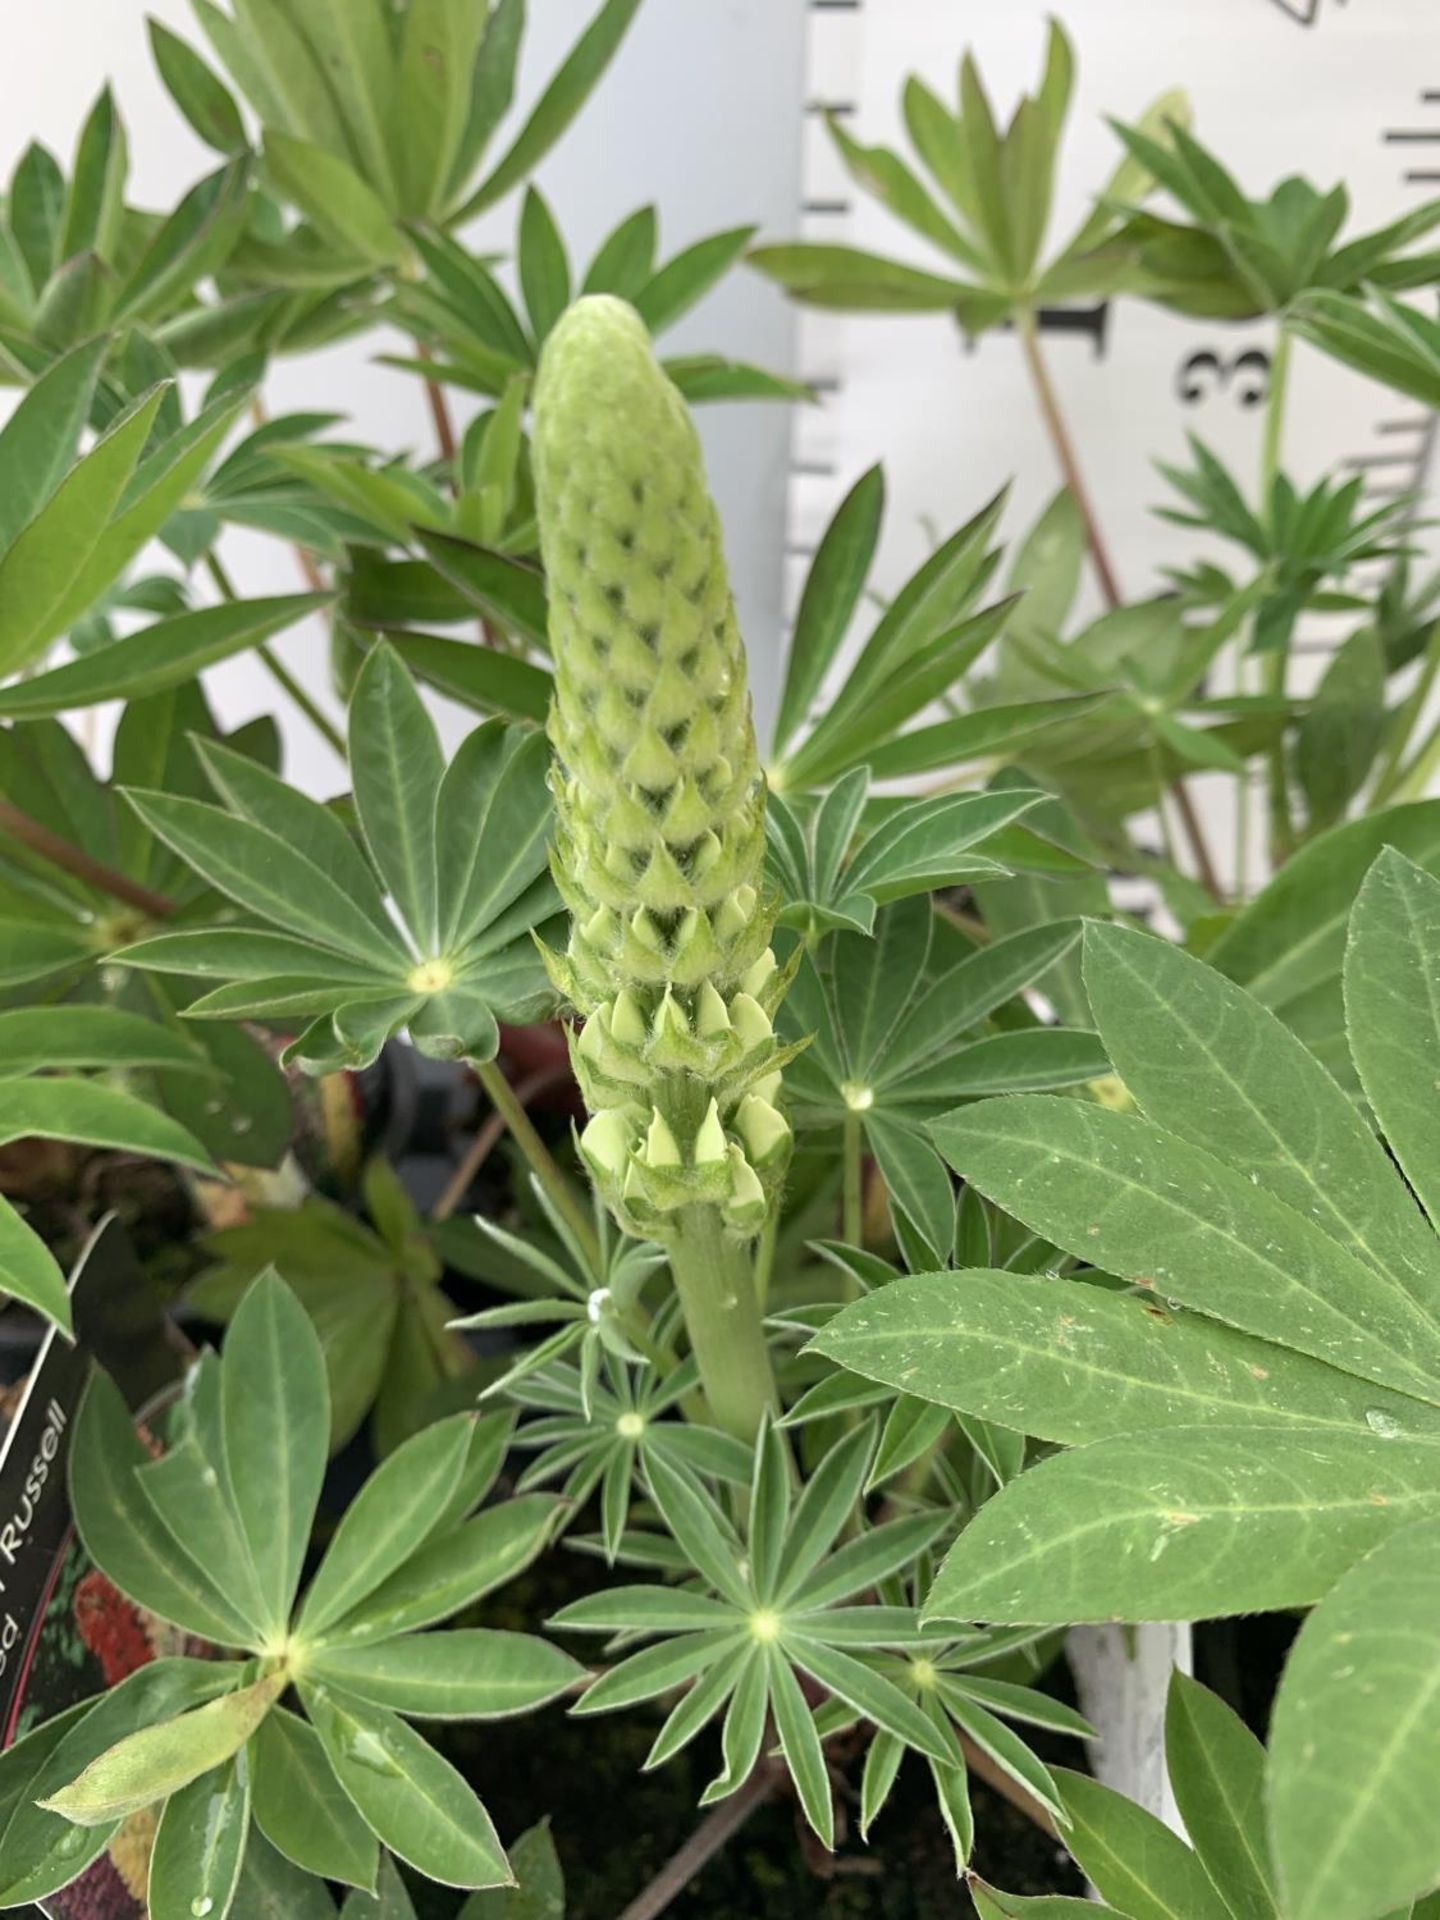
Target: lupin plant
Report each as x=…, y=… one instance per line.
x=865, y=1440
x=660, y=837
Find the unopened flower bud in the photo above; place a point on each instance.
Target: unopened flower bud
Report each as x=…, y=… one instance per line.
x=606, y=1142
x=710, y=1142
x=765, y=1131
x=661, y=1147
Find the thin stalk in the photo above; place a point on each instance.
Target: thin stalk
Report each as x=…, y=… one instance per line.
x=716, y=1283
x=1195, y=834
x=1064, y=448
x=1243, y=795
x=1048, y=402
x=543, y=1165
x=852, y=1204
x=276, y=667
x=1272, y=438
x=966, y=922
x=1407, y=718
x=487, y=1138
x=1414, y=781
x=714, y=1832
x=1276, y=664
x=74, y=860
x=996, y=1778
x=1167, y=832
x=439, y=411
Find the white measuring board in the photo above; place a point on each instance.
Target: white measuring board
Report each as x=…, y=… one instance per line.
x=1330, y=89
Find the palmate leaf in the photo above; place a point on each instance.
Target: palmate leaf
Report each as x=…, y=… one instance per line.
x=340, y=962
x=1218, y=1070
x=1146, y=1519
x=375, y=1300
x=1183, y=1524
x=1072, y=1362
x=233, y=1501
x=773, y=1606
x=888, y=1014
x=1117, y=1191
x=834, y=874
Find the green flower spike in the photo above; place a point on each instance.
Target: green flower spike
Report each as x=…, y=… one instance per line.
x=659, y=794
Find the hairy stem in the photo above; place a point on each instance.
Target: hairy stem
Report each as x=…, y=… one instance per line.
x=715, y=1279
x=543, y=1165
x=74, y=860
x=1048, y=403
x=277, y=668
x=852, y=1205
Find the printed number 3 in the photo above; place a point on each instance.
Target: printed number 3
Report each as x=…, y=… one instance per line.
x=1202, y=375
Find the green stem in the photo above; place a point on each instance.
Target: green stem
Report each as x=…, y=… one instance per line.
x=852, y=1206
x=1414, y=782
x=765, y=1255
x=1392, y=772
x=277, y=669
x=1270, y=444
x=716, y=1284
x=1276, y=664
x=543, y=1164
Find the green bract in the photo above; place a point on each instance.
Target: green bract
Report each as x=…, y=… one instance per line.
x=659, y=797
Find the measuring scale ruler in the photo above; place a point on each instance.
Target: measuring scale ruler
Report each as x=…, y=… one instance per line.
x=1329, y=89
